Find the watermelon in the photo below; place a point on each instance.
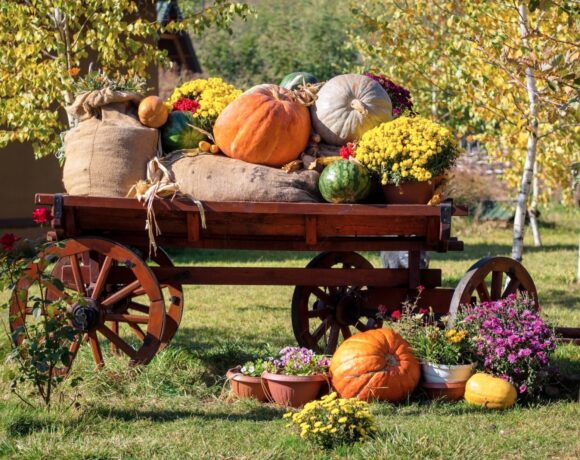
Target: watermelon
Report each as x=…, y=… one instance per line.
x=296, y=79
x=344, y=181
x=179, y=132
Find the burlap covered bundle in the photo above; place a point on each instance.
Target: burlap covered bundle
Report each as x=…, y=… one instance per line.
x=219, y=178
x=107, y=153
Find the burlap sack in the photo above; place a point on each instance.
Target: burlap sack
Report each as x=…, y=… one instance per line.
x=108, y=151
x=218, y=178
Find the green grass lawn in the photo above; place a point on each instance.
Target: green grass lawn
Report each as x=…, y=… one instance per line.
x=177, y=406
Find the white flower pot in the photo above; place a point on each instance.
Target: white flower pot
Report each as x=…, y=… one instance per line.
x=441, y=373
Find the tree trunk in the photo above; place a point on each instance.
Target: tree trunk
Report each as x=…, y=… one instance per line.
x=524, y=191
x=578, y=272
x=434, y=95
x=534, y=208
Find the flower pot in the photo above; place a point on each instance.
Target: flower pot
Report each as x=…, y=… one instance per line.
x=445, y=391
x=293, y=390
x=411, y=192
x=441, y=373
x=245, y=386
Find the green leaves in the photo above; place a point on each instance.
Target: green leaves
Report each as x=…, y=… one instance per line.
x=466, y=63
x=41, y=41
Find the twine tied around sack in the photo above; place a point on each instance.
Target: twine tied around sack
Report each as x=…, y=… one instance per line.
x=160, y=183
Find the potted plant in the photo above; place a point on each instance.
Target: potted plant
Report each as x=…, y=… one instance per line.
x=446, y=354
x=409, y=156
x=296, y=376
x=246, y=381
x=512, y=341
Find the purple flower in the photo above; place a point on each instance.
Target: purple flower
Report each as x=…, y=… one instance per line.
x=524, y=352
x=512, y=340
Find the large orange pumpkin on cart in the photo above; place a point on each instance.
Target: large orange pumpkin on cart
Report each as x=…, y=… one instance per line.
x=376, y=364
x=265, y=125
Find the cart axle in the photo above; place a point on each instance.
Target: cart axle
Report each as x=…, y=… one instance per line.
x=85, y=315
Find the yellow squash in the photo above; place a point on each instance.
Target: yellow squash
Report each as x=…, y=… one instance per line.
x=490, y=392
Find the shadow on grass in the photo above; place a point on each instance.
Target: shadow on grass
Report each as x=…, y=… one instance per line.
x=480, y=250
x=25, y=425
x=563, y=298
x=258, y=414
x=218, y=353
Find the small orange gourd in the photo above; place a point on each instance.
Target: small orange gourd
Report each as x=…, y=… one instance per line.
x=490, y=392
x=265, y=125
x=153, y=112
x=376, y=364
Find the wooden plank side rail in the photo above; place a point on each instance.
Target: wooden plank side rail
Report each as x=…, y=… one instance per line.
x=260, y=226
x=178, y=205
x=270, y=276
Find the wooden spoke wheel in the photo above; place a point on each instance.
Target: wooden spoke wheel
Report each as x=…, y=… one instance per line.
x=491, y=278
x=173, y=295
x=108, y=277
x=323, y=316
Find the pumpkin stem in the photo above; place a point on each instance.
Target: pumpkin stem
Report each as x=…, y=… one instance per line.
x=275, y=93
x=359, y=107
x=306, y=94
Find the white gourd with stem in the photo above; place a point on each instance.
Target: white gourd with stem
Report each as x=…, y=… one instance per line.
x=349, y=105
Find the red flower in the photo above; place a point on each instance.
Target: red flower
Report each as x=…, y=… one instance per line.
x=184, y=104
x=7, y=241
x=420, y=288
x=424, y=311
x=396, y=314
x=41, y=215
x=346, y=151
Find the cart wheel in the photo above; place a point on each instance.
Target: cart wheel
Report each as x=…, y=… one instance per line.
x=173, y=295
x=108, y=297
x=485, y=282
x=321, y=315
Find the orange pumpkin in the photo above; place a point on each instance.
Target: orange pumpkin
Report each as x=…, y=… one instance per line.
x=376, y=364
x=153, y=112
x=265, y=125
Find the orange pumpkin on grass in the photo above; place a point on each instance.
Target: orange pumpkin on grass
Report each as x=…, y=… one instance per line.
x=376, y=364
x=265, y=125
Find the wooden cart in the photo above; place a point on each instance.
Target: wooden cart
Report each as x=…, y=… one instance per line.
x=104, y=247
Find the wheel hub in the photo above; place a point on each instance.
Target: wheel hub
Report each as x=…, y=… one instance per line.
x=86, y=315
x=347, y=312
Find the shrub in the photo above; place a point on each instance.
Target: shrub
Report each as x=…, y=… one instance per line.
x=332, y=421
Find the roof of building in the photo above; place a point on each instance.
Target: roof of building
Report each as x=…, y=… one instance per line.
x=178, y=45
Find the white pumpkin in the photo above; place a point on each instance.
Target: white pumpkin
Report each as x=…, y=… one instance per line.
x=349, y=105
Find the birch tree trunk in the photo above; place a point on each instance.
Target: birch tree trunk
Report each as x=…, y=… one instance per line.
x=578, y=272
x=534, y=208
x=524, y=191
x=434, y=95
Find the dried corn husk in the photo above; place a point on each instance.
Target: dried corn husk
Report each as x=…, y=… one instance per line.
x=295, y=165
x=160, y=183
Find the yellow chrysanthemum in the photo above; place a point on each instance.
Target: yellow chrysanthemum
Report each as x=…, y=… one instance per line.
x=411, y=148
x=212, y=94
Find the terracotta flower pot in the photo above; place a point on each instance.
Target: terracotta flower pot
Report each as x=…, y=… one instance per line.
x=411, y=192
x=245, y=386
x=442, y=373
x=445, y=391
x=293, y=390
